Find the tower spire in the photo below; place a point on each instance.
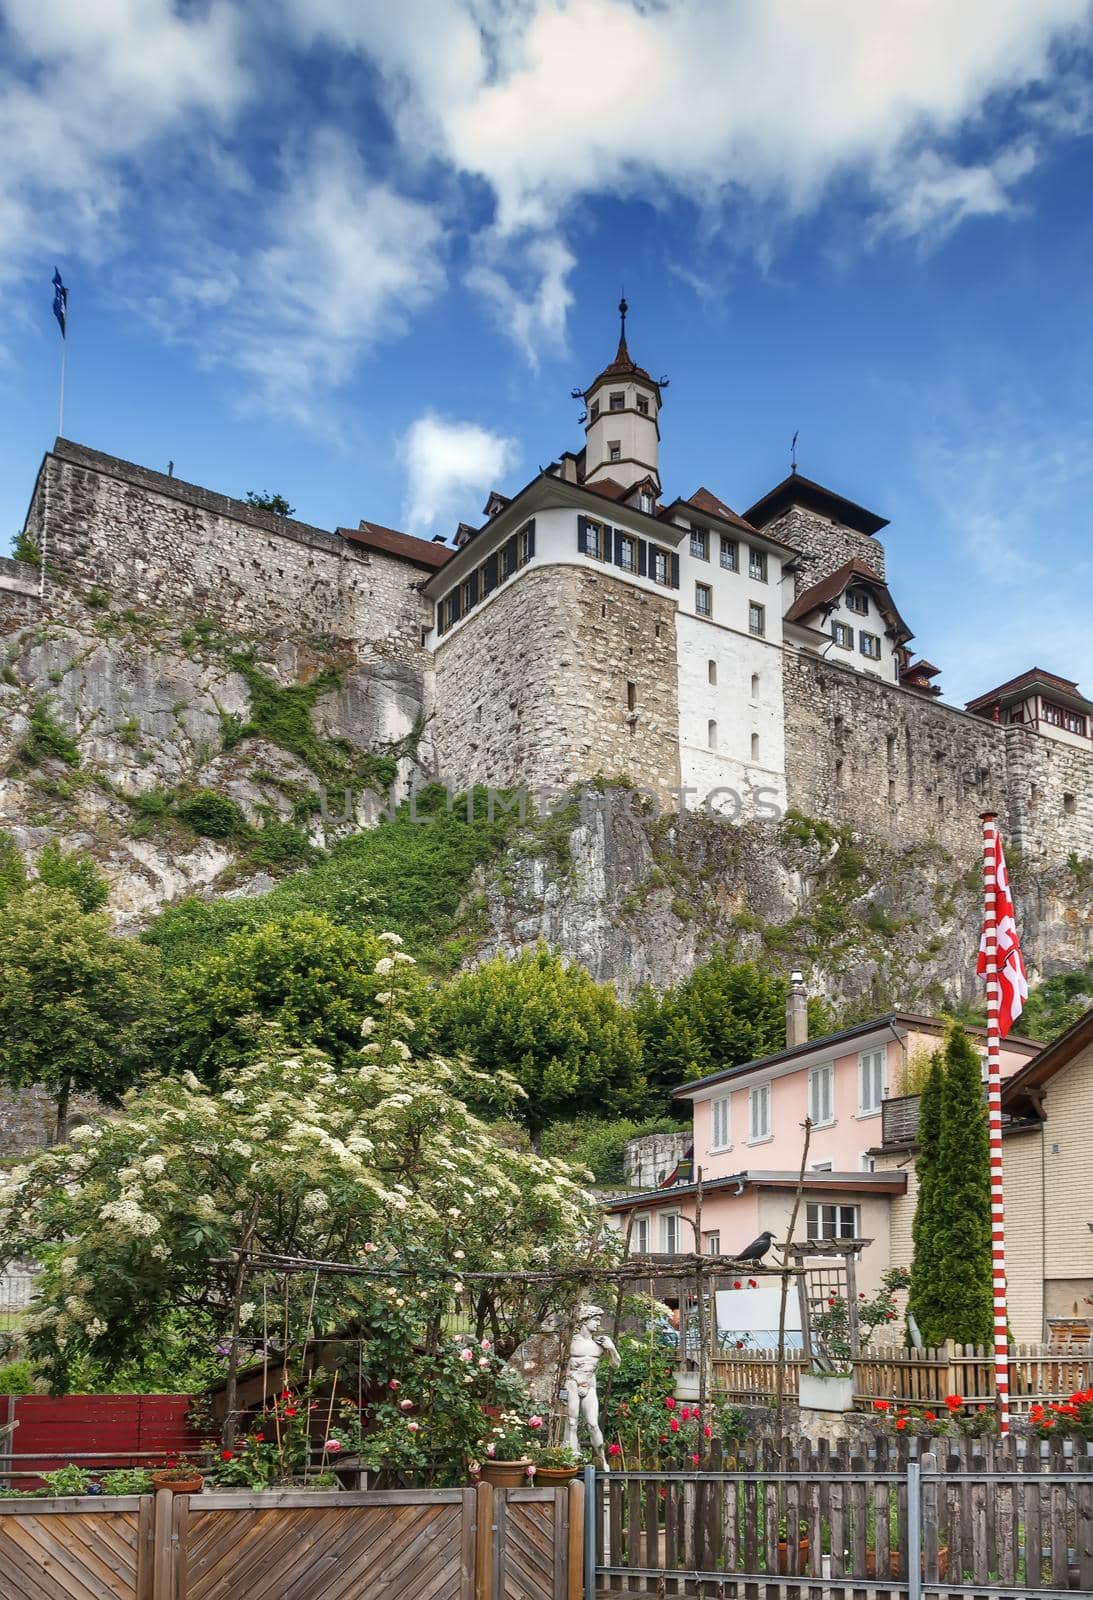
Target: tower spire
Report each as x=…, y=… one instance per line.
x=623, y=353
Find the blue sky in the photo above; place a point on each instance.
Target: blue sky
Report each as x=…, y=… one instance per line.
x=359, y=254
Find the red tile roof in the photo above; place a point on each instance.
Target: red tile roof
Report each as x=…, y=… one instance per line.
x=607, y=487
x=1025, y=680
x=623, y=367
x=828, y=590
x=419, y=552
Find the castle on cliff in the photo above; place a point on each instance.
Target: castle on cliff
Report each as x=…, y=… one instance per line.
x=596, y=626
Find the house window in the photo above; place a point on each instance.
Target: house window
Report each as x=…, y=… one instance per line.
x=713, y=1243
x=755, y=686
x=757, y=619
x=755, y=747
x=711, y=671
x=821, y=1095
x=842, y=635
x=757, y=565
x=759, y=1112
x=831, y=1222
x=857, y=600
x=594, y=410
x=643, y=405
x=730, y=554
x=867, y=1162
x=719, y=1123
x=647, y=502
x=628, y=554
x=711, y=735
x=700, y=544
x=703, y=599
x=451, y=608
x=660, y=568
x=590, y=539
x=870, y=1082
x=639, y=1236
x=470, y=592
x=1059, y=717
x=869, y=644
x=508, y=557
x=526, y=541
x=669, y=1233
x=617, y=401
x=614, y=450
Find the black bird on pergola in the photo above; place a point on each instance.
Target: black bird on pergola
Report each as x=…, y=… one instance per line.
x=756, y=1250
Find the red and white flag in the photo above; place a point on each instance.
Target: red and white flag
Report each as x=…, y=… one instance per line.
x=1012, y=982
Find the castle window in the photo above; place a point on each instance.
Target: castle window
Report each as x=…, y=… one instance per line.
x=891, y=791
x=627, y=553
x=703, y=600
x=488, y=569
x=618, y=401
x=1070, y=804
x=470, y=592
x=711, y=671
x=643, y=405
x=757, y=565
x=631, y=696
x=700, y=544
x=614, y=450
x=839, y=771
x=526, y=546
x=730, y=554
x=594, y=410
x=646, y=502
x=590, y=540
x=757, y=620
x=869, y=644
x=857, y=600
x=755, y=747
x=755, y=686
x=508, y=557
x=891, y=744
x=711, y=734
x=842, y=635
x=660, y=569
x=451, y=608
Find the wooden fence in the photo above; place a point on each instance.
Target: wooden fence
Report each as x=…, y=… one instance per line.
x=974, y=1518
x=923, y=1377
x=429, y=1544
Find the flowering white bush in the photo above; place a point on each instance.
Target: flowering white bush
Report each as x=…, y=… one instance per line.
x=379, y=1162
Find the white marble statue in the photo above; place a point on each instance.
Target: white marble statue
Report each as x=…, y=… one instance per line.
x=586, y=1349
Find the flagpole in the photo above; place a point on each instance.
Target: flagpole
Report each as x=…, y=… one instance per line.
x=64, y=358
x=994, y=1118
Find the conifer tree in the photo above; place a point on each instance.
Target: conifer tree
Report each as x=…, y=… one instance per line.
x=924, y=1300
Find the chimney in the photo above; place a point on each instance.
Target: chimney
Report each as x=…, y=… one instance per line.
x=796, y=1011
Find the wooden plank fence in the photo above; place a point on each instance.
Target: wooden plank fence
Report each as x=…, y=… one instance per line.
x=978, y=1517
x=1038, y=1374
x=429, y=1544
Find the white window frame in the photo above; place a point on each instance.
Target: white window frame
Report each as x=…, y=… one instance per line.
x=703, y=610
x=614, y=449
x=721, y=1122
x=759, y=1096
x=713, y=1242
x=660, y=566
x=823, y=1074
x=842, y=635
x=819, y=1226
x=866, y=1162
x=873, y=641
x=617, y=401
x=628, y=553
x=867, y=1067
x=639, y=1236
x=646, y=502
x=757, y=564
x=669, y=1231
x=730, y=554
x=757, y=619
x=700, y=543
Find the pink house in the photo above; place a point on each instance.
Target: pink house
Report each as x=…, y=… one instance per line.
x=748, y=1139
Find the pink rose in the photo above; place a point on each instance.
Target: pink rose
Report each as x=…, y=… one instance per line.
x=332, y=1446
x=393, y=1384
x=406, y=1405
x=530, y=1469
x=466, y=1355
x=535, y=1422
x=485, y=1345
x=369, y=1248
x=491, y=1449
x=413, y=1426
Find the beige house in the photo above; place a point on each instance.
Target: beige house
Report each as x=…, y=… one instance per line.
x=1048, y=1178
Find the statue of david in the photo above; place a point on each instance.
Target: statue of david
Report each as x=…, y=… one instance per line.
x=586, y=1349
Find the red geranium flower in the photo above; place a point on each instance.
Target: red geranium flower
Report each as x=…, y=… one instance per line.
x=901, y=1423
x=931, y=1416
x=670, y=1402
x=259, y=1438
x=227, y=1455
x=674, y=1425
x=290, y=1411
x=614, y=1449
x=881, y=1405
x=753, y=1283
x=954, y=1401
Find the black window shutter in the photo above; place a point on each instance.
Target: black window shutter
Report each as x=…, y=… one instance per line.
x=472, y=589
x=675, y=570
x=489, y=574
x=582, y=536
x=511, y=556
x=530, y=534
x=643, y=559
x=618, y=544
x=456, y=608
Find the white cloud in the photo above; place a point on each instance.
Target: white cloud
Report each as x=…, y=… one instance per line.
x=932, y=195
x=532, y=311
x=449, y=465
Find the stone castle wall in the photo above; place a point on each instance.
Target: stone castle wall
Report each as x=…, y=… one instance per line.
x=533, y=689
x=159, y=544
x=824, y=546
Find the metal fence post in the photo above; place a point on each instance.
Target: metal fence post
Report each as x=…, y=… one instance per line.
x=591, y=1518
x=914, y=1531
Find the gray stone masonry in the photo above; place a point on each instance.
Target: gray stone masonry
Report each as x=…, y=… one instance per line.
x=533, y=688
x=824, y=546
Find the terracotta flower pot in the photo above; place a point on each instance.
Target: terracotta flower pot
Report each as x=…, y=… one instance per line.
x=550, y=1477
x=504, y=1474
x=894, y=1563
x=191, y=1485
x=783, y=1555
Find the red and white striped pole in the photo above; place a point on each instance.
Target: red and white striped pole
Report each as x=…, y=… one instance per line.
x=994, y=1119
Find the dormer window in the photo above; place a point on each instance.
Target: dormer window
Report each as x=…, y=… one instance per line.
x=614, y=450
x=643, y=405
x=857, y=600
x=617, y=401
x=647, y=502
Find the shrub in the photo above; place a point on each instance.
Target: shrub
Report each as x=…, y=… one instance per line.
x=16, y=1377
x=75, y=872
x=279, y=845
x=213, y=815
x=46, y=740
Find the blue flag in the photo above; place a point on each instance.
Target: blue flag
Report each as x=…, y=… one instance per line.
x=60, y=301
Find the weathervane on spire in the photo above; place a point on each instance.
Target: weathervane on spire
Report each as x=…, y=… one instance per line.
x=793, y=453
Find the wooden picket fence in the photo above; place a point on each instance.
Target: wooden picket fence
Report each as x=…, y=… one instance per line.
x=1038, y=1374
x=974, y=1517
x=476, y=1543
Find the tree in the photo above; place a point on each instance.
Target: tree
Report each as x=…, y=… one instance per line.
x=75, y=872
x=952, y=1283
x=1056, y=1004
x=78, y=1006
x=724, y=1014
x=599, y=1145
x=140, y=1218
x=270, y=502
x=314, y=981
x=924, y=1302
x=569, y=1044
x=13, y=874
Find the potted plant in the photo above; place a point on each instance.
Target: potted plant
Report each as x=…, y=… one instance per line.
x=505, y=1458
x=555, y=1464
x=180, y=1477
x=829, y=1384
x=783, y=1546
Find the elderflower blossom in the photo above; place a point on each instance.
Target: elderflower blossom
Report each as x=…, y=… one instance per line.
x=153, y=1166
x=129, y=1217
x=385, y=998
x=84, y=1131
x=233, y=1097
x=96, y=1328
x=385, y=965
x=390, y=938
x=315, y=1203
x=204, y=1207
x=368, y=1025
x=246, y=1311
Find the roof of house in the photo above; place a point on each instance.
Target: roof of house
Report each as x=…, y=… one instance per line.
x=1017, y=688
x=1026, y=1083
x=826, y=1182
x=828, y=590
x=420, y=552
x=912, y=1021
x=705, y=500
x=797, y=490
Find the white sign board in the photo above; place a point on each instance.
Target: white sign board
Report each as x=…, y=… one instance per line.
x=752, y=1314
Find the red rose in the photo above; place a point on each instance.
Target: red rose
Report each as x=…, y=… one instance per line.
x=614, y=1449
x=227, y=1455
x=290, y=1411
x=694, y=1461
x=740, y=1344
x=707, y=1432
x=664, y=1438
x=670, y=1402
x=686, y=1414
x=674, y=1425
x=753, y=1283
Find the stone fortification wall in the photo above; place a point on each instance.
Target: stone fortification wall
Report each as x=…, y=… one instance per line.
x=159, y=544
x=824, y=546
x=533, y=688
x=906, y=769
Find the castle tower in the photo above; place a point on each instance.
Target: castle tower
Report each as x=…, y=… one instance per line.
x=622, y=436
